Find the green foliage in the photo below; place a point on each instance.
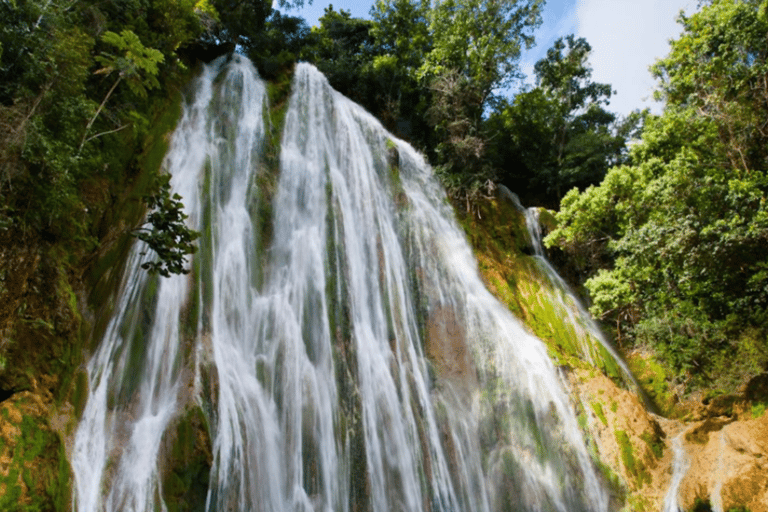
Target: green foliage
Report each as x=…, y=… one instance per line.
x=134, y=63
x=684, y=338
x=401, y=33
x=558, y=135
x=476, y=46
x=276, y=48
x=168, y=236
x=674, y=240
x=58, y=134
x=342, y=48
x=401, y=39
x=564, y=73
x=654, y=379
x=242, y=24
x=718, y=68
x=480, y=39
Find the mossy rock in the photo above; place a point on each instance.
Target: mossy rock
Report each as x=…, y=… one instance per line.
x=655, y=380
x=700, y=434
x=187, y=459
x=37, y=474
x=633, y=464
x=498, y=233
x=43, y=335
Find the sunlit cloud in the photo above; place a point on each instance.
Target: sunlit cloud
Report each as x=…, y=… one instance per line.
x=627, y=37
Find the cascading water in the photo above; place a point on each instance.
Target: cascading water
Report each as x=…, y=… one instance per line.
x=679, y=468
x=594, y=346
x=334, y=329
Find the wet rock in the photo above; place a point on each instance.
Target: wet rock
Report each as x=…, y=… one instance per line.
x=393, y=157
x=722, y=405
x=448, y=350
x=186, y=460
x=729, y=470
x=757, y=389
x=631, y=442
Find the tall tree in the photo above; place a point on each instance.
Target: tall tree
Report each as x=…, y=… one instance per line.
x=719, y=70
x=558, y=135
x=675, y=241
x=342, y=48
x=481, y=40
x=475, y=50
x=402, y=40
x=134, y=63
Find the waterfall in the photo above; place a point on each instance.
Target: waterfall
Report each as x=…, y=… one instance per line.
x=594, y=347
x=334, y=332
x=680, y=466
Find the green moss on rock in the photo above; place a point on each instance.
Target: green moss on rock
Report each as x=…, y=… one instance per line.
x=35, y=473
x=654, y=380
x=597, y=407
x=187, y=461
x=632, y=464
x=499, y=236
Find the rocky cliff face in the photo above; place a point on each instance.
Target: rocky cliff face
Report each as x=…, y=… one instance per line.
x=726, y=445
x=40, y=350
x=51, y=292
x=700, y=455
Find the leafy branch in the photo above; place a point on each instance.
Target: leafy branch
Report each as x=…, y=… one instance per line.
x=134, y=63
x=166, y=233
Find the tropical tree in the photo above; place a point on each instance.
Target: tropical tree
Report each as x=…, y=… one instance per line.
x=342, y=48
x=559, y=135
x=166, y=232
x=674, y=241
x=133, y=62
x=476, y=46
x=239, y=24
x=718, y=69
x=402, y=41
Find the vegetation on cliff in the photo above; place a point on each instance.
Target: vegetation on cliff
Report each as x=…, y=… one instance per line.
x=670, y=233
x=673, y=241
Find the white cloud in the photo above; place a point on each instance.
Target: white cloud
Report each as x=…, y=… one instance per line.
x=627, y=36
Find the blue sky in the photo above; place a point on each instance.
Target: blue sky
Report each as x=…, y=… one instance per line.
x=627, y=36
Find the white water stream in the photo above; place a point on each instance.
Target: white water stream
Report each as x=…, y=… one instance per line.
x=680, y=466
x=587, y=332
x=303, y=333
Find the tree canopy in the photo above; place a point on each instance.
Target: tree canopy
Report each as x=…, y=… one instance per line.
x=674, y=240
x=559, y=135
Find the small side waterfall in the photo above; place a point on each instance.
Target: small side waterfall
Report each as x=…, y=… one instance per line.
x=679, y=468
x=333, y=330
x=594, y=345
x=716, y=495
